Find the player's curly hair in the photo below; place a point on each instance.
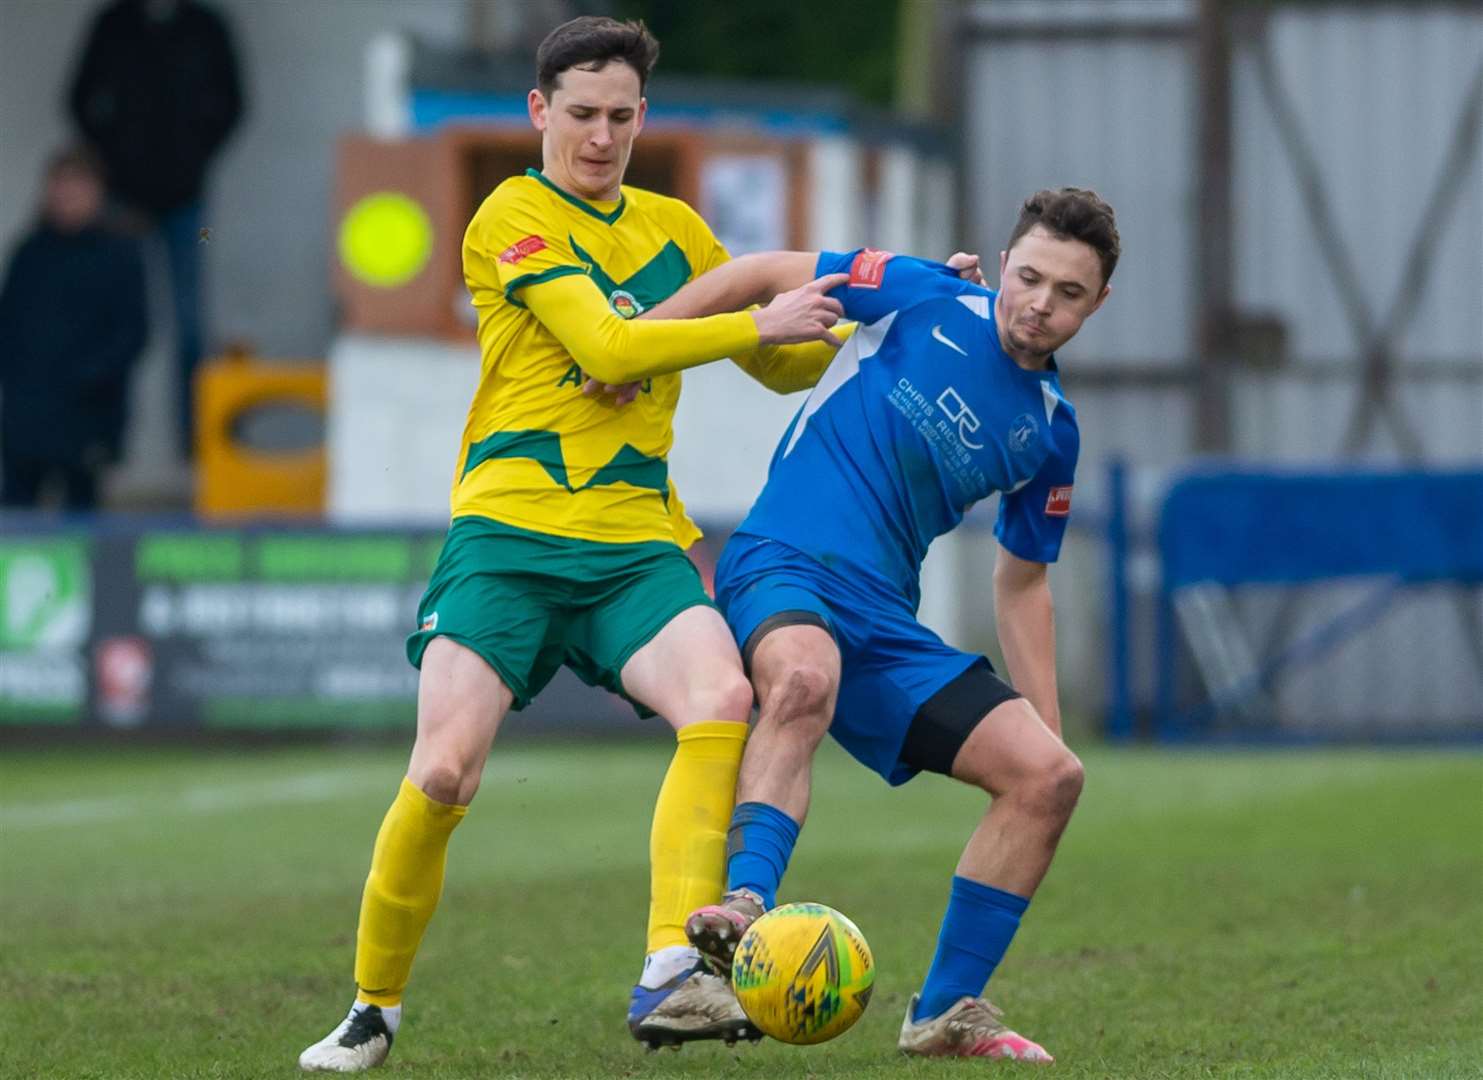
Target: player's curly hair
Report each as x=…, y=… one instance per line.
x=1074, y=214
x=592, y=42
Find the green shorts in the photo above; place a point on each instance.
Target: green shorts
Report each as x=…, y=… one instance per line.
x=528, y=602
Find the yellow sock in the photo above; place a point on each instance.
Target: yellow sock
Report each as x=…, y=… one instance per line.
x=687, y=845
x=402, y=892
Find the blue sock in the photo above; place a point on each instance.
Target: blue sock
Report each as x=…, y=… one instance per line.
x=977, y=929
x=758, y=847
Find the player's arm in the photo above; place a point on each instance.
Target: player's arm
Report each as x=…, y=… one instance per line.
x=1030, y=529
x=747, y=281
x=511, y=251
x=1024, y=615
x=757, y=278
x=739, y=284
x=613, y=350
x=785, y=369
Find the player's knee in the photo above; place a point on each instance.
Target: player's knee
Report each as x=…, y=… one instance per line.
x=444, y=778
x=727, y=696
x=736, y=698
x=1056, y=786
x=441, y=783
x=799, y=699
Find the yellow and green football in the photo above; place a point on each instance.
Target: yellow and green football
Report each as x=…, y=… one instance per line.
x=803, y=973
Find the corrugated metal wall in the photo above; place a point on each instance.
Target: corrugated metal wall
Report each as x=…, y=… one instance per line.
x=1374, y=100
x=1104, y=95
x=1114, y=116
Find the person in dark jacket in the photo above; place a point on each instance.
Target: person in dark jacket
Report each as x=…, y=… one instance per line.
x=157, y=92
x=72, y=323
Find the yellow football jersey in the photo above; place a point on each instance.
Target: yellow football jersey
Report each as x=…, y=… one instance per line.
x=537, y=453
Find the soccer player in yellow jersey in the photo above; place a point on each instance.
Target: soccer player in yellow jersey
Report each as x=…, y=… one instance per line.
x=567, y=540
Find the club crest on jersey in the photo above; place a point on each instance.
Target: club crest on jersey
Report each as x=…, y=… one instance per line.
x=868, y=268
x=1058, y=502
x=625, y=304
x=521, y=248
x=1022, y=432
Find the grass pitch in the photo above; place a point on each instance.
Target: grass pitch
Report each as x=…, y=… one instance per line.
x=172, y=913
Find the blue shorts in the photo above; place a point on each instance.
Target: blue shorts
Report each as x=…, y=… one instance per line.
x=890, y=663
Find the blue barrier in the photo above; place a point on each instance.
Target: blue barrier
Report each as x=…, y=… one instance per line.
x=1237, y=528
x=1232, y=528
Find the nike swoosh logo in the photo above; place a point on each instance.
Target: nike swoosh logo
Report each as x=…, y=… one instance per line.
x=940, y=336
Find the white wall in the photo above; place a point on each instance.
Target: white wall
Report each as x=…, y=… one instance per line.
x=38, y=39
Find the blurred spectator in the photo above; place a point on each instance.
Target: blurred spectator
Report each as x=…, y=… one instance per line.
x=72, y=323
x=157, y=92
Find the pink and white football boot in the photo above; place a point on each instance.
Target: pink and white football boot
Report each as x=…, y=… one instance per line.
x=971, y=1028
x=717, y=929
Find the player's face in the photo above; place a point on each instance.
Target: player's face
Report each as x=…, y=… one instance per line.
x=1048, y=285
x=73, y=199
x=587, y=128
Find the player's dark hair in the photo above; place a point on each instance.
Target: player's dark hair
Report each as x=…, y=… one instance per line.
x=1070, y=213
x=592, y=42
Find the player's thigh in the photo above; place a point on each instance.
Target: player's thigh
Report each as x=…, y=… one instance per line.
x=776, y=602
x=690, y=670
x=768, y=592
x=908, y=701
x=461, y=702
x=649, y=631
x=1011, y=749
x=491, y=593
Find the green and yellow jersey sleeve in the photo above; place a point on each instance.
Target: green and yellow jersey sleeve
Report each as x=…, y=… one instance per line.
x=786, y=369
x=617, y=350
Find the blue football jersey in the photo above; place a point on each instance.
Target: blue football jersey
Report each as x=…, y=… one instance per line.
x=921, y=415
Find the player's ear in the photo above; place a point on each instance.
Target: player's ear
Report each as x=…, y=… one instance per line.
x=1003, y=264
x=638, y=117
x=535, y=104
x=1101, y=298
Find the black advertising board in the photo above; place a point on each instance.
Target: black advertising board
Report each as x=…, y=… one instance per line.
x=189, y=628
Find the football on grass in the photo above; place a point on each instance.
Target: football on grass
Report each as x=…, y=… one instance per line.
x=803, y=973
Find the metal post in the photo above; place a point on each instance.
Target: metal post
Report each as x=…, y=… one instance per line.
x=1120, y=694
x=1214, y=232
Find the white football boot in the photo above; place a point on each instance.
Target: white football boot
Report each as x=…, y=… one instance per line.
x=361, y=1042
x=693, y=1005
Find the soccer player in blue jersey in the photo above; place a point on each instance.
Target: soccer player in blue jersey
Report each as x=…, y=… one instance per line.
x=947, y=393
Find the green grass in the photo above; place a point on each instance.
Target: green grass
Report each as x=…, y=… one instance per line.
x=190, y=914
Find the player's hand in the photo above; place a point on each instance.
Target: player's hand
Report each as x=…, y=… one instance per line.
x=802, y=314
x=968, y=266
x=621, y=393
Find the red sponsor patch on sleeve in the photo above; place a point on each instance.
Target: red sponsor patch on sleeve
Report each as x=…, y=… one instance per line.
x=521, y=248
x=1058, y=503
x=868, y=269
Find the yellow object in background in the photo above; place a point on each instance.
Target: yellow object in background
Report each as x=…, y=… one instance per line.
x=236, y=479
x=386, y=239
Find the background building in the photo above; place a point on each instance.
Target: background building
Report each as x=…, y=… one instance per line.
x=1299, y=189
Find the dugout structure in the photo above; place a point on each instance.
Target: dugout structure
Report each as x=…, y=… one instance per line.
x=1298, y=605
